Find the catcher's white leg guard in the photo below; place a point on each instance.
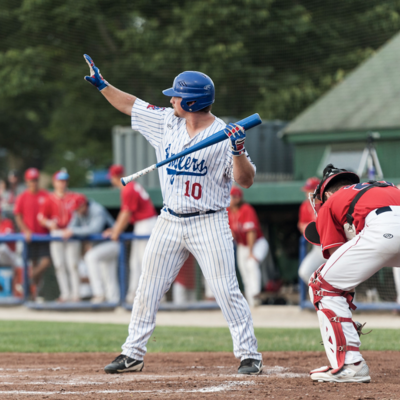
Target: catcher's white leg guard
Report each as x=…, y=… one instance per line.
x=333, y=338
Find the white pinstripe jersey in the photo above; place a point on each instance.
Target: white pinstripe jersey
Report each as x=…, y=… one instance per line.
x=200, y=181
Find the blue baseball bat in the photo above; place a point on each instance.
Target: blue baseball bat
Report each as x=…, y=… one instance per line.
x=247, y=123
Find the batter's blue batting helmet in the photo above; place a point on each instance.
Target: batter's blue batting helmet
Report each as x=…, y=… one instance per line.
x=193, y=86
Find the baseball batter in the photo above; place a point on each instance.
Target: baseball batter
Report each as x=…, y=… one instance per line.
x=195, y=191
x=359, y=231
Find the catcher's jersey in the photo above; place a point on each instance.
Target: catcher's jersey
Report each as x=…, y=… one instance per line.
x=200, y=181
x=332, y=215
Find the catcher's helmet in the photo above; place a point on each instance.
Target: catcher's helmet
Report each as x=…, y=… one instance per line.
x=193, y=86
x=331, y=175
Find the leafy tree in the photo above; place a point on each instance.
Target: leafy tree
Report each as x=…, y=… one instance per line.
x=267, y=56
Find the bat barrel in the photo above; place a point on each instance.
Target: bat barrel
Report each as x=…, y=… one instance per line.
x=247, y=123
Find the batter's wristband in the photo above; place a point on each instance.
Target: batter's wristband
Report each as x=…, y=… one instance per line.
x=239, y=152
x=103, y=85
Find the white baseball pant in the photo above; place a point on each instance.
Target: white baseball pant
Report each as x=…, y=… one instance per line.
x=375, y=247
x=209, y=239
x=102, y=264
x=249, y=268
x=312, y=261
x=66, y=256
x=138, y=248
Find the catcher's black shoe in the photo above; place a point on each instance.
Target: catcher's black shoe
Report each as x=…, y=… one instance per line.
x=250, y=366
x=124, y=364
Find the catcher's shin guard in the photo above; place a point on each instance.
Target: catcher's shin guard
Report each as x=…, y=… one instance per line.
x=333, y=338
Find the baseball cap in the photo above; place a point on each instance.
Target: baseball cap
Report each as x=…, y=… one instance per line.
x=80, y=201
x=235, y=191
x=31, y=174
x=61, y=176
x=311, y=184
x=115, y=170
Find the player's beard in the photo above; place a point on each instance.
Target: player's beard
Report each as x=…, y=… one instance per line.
x=176, y=113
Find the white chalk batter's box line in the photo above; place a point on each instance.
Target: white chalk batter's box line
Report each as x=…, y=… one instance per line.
x=228, y=386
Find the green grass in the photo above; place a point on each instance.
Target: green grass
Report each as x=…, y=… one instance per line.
x=52, y=337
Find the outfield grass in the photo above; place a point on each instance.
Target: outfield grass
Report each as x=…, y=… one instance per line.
x=52, y=337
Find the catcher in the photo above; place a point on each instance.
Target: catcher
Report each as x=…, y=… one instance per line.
x=358, y=228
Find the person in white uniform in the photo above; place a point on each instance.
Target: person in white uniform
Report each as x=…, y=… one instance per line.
x=101, y=260
x=252, y=247
x=194, y=219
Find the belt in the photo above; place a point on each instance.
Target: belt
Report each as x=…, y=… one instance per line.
x=195, y=214
x=383, y=210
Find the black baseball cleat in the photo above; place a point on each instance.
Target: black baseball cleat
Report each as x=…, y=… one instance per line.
x=250, y=366
x=124, y=364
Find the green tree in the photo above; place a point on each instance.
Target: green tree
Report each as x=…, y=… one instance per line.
x=267, y=56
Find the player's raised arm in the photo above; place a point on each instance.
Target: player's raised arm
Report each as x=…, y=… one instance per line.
x=120, y=100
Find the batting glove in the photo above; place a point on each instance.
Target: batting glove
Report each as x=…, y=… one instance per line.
x=237, y=136
x=95, y=77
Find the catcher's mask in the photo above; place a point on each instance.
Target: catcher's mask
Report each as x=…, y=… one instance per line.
x=330, y=176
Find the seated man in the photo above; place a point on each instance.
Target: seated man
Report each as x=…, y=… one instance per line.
x=358, y=227
x=102, y=259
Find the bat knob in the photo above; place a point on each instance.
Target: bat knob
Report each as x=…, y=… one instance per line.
x=123, y=182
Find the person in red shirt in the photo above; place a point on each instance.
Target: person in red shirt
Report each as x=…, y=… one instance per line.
x=137, y=209
x=314, y=258
x=252, y=247
x=7, y=250
x=26, y=212
x=359, y=236
x=55, y=214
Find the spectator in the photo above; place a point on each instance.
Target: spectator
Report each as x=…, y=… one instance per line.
x=137, y=209
x=9, y=196
x=55, y=214
x=7, y=250
x=252, y=247
x=26, y=212
x=102, y=259
x=314, y=258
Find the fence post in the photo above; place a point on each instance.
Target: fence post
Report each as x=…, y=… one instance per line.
x=26, y=269
x=121, y=271
x=302, y=255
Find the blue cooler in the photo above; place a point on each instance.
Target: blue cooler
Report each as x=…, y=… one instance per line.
x=6, y=277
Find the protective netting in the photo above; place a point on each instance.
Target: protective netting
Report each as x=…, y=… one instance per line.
x=271, y=57
x=267, y=56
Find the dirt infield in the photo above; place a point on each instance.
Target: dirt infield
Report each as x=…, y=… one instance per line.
x=187, y=376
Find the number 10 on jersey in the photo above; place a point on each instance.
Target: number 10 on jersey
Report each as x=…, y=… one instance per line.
x=195, y=192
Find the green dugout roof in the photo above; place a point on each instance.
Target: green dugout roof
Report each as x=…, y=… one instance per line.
x=271, y=193
x=258, y=194
x=367, y=99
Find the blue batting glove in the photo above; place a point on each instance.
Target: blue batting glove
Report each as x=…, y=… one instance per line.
x=95, y=77
x=237, y=136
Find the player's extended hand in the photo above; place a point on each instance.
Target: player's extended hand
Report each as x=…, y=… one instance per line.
x=95, y=77
x=237, y=136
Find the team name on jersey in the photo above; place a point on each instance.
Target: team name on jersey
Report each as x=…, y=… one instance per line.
x=184, y=166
